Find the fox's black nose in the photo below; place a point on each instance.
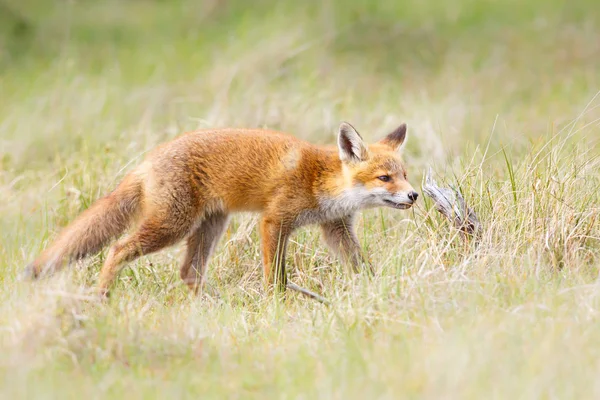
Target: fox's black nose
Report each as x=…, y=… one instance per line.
x=413, y=196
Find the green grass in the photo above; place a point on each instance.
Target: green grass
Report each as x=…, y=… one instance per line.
x=500, y=99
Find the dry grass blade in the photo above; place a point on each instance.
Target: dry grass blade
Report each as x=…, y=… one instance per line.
x=450, y=203
x=308, y=293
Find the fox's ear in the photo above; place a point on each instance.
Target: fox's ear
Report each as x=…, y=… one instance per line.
x=351, y=145
x=396, y=138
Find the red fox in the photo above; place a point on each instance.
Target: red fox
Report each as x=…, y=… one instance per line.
x=187, y=188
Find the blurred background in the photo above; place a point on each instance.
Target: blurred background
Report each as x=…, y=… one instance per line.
x=109, y=73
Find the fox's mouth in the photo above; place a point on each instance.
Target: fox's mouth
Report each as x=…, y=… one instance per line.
x=399, y=206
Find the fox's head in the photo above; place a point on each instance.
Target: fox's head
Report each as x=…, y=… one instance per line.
x=375, y=173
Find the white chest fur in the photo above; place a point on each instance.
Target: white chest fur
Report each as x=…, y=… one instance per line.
x=332, y=208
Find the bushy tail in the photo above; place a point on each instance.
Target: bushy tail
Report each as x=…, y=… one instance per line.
x=105, y=220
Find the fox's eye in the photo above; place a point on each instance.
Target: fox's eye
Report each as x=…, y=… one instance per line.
x=384, y=178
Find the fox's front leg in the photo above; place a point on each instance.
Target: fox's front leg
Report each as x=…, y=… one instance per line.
x=275, y=234
x=341, y=237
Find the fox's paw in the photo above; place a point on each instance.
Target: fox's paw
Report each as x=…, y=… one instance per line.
x=102, y=294
x=30, y=273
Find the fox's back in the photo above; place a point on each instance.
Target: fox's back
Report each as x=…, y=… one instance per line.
x=242, y=167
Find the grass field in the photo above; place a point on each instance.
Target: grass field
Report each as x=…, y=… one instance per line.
x=501, y=99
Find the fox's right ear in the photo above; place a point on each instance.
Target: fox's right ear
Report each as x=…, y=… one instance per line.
x=351, y=145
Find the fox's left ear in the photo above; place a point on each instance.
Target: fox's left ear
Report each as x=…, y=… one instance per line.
x=396, y=138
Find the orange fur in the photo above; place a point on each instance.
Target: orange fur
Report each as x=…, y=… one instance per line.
x=187, y=188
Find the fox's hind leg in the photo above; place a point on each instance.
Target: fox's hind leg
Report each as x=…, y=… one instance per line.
x=200, y=246
x=153, y=235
